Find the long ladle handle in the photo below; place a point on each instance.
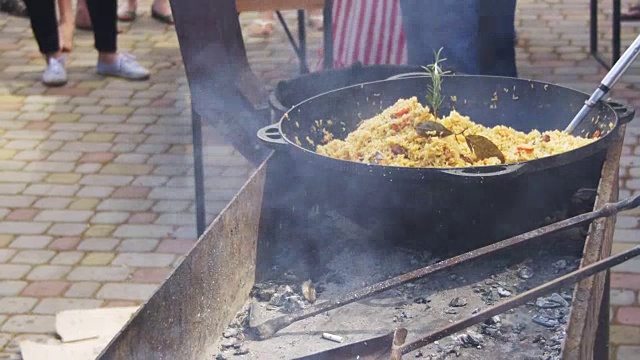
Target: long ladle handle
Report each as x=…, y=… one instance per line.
x=607, y=83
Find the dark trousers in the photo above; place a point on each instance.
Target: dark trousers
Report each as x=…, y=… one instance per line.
x=477, y=37
x=44, y=24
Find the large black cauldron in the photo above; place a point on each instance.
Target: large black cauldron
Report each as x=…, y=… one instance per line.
x=457, y=208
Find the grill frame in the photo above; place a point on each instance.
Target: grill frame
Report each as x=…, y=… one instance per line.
x=183, y=318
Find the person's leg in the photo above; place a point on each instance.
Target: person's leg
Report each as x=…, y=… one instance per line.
x=316, y=19
x=65, y=25
x=264, y=25
x=110, y=62
x=44, y=25
x=497, y=38
x=103, y=17
x=431, y=25
x=83, y=21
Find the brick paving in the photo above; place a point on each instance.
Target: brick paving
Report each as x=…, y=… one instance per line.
x=96, y=178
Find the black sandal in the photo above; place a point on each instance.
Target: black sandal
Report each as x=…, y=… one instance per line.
x=163, y=18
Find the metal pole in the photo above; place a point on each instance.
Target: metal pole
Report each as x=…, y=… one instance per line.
x=302, y=42
x=328, y=34
x=593, y=29
x=296, y=47
x=615, y=37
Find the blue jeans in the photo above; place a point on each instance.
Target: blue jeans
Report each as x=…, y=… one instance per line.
x=477, y=37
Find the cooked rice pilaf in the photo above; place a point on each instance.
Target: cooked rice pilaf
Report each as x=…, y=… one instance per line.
x=390, y=139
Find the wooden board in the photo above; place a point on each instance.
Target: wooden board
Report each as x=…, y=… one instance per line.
x=84, y=334
x=583, y=321
x=81, y=350
x=266, y=5
x=84, y=324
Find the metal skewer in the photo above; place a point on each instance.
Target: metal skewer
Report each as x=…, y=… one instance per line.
x=607, y=83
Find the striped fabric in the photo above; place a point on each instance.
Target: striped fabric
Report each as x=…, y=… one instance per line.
x=368, y=31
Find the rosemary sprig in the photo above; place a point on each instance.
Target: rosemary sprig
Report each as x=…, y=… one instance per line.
x=434, y=94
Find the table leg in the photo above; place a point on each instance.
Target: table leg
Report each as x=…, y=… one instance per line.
x=302, y=57
x=615, y=33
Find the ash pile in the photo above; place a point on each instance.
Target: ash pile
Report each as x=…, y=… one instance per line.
x=346, y=258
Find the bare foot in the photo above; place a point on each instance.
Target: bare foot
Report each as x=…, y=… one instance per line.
x=127, y=11
x=316, y=20
x=262, y=26
x=65, y=25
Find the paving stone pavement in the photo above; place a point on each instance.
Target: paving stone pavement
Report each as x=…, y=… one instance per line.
x=96, y=178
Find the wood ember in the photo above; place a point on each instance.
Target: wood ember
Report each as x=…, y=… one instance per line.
x=231, y=333
x=525, y=273
x=469, y=339
x=350, y=262
x=458, y=302
x=309, y=291
x=560, y=264
x=503, y=292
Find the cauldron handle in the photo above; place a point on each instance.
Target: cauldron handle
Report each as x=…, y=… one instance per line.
x=511, y=169
x=271, y=135
x=624, y=110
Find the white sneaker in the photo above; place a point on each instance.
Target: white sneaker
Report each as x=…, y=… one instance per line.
x=55, y=73
x=125, y=67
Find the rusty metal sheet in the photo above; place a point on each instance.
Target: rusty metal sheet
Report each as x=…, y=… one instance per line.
x=584, y=318
x=186, y=314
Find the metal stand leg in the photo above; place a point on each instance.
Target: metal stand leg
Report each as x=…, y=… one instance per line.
x=198, y=172
x=302, y=55
x=593, y=28
x=615, y=34
x=302, y=42
x=601, y=346
x=328, y=34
